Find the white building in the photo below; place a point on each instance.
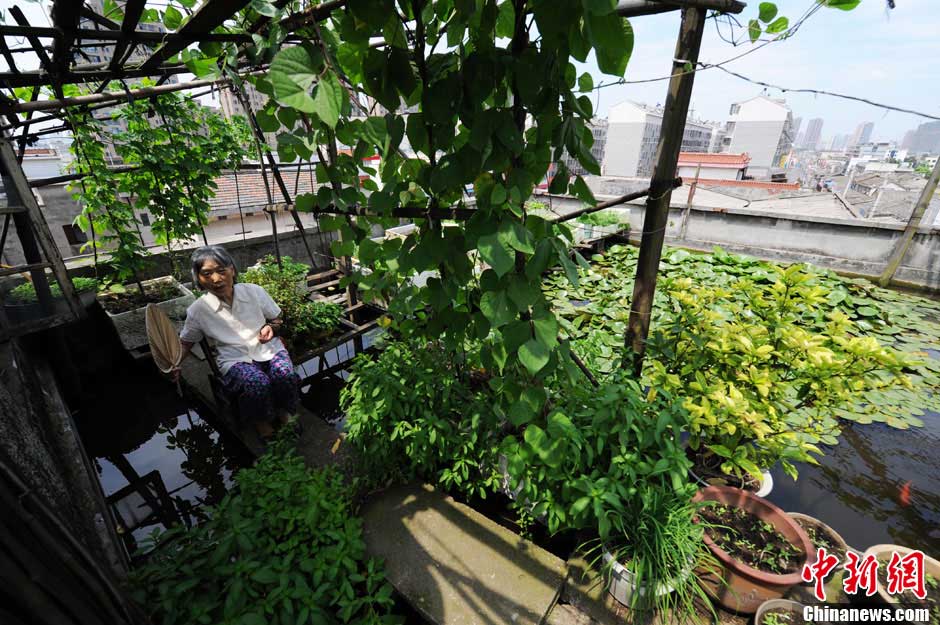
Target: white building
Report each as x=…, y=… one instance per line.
x=763, y=128
x=712, y=166
x=599, y=132
x=632, y=136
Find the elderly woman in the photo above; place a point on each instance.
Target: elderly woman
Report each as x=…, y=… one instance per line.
x=242, y=320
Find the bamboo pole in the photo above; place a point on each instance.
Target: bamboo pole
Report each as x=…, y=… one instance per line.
x=678, y=98
x=913, y=224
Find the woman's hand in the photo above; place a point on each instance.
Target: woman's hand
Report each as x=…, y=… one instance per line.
x=266, y=334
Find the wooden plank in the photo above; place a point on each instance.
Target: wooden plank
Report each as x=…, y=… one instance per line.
x=12, y=210
x=9, y=271
x=65, y=17
x=100, y=19
x=324, y=285
x=132, y=12
x=36, y=325
x=40, y=228
x=210, y=16
x=323, y=274
x=340, y=340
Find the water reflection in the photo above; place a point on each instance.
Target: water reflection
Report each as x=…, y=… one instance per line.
x=857, y=486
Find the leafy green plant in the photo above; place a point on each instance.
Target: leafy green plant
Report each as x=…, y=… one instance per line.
x=413, y=414
x=759, y=384
x=26, y=292
x=303, y=319
x=284, y=548
x=601, y=218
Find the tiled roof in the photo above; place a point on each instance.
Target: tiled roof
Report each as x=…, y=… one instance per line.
x=778, y=187
x=714, y=160
x=250, y=190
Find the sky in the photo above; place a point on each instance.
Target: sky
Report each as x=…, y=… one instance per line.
x=870, y=52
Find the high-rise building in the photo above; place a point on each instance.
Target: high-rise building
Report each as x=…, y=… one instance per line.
x=797, y=125
x=763, y=128
x=599, y=132
x=926, y=139
x=632, y=136
x=862, y=133
x=813, y=134
x=103, y=53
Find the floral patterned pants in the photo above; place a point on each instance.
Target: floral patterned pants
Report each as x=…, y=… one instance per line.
x=265, y=390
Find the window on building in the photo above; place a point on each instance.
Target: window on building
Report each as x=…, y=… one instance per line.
x=145, y=219
x=734, y=109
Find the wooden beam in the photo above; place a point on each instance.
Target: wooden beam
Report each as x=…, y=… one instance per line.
x=657, y=206
x=107, y=97
x=65, y=17
x=12, y=271
x=101, y=20
x=623, y=199
x=17, y=189
x=132, y=12
x=913, y=224
x=210, y=16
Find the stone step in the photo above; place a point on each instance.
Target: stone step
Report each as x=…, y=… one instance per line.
x=454, y=565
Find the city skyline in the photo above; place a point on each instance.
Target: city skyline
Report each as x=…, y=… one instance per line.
x=831, y=51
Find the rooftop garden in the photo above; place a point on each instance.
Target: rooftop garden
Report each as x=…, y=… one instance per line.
x=509, y=363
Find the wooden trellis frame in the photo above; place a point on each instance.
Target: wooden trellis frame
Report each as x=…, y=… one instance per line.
x=59, y=69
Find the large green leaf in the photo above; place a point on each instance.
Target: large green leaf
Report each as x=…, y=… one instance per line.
x=496, y=254
x=534, y=356
x=612, y=39
x=292, y=72
x=328, y=100
x=497, y=308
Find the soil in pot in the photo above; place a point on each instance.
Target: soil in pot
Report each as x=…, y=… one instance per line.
x=748, y=539
x=132, y=299
x=782, y=616
x=908, y=599
x=821, y=539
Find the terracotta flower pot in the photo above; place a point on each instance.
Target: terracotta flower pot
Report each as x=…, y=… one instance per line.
x=735, y=585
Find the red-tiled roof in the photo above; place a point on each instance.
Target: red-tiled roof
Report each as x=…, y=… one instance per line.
x=753, y=184
x=714, y=160
x=251, y=191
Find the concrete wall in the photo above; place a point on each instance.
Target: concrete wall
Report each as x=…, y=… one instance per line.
x=847, y=245
x=245, y=252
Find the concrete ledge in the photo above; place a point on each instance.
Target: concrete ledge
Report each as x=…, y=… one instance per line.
x=457, y=567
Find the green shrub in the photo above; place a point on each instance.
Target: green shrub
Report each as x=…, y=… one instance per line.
x=302, y=317
x=26, y=293
x=601, y=218
x=412, y=414
x=283, y=548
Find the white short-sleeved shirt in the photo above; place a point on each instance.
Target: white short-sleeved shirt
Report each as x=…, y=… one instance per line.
x=235, y=328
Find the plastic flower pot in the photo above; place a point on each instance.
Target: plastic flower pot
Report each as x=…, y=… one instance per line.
x=736, y=585
x=130, y=325
x=882, y=553
x=764, y=487
x=806, y=521
x=621, y=583
x=779, y=605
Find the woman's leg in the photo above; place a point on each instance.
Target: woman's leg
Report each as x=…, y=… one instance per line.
x=284, y=383
x=252, y=387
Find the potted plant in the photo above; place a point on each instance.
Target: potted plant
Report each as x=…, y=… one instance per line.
x=609, y=460
x=305, y=321
x=760, y=550
x=21, y=303
x=602, y=221
x=779, y=612
x=883, y=554
x=822, y=535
